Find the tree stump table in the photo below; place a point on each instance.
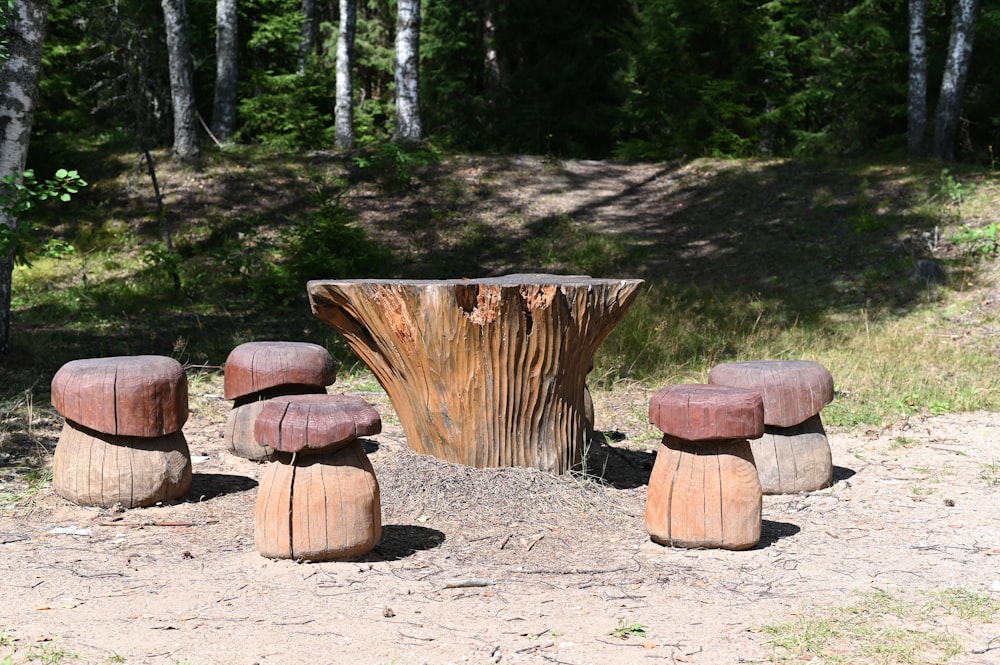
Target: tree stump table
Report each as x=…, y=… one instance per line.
x=703, y=490
x=319, y=499
x=794, y=454
x=483, y=372
x=257, y=371
x=122, y=441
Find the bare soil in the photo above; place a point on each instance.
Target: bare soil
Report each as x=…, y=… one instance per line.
x=505, y=565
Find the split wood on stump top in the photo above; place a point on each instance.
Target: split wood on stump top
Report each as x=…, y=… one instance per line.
x=145, y=396
x=793, y=390
x=701, y=412
x=315, y=423
x=257, y=366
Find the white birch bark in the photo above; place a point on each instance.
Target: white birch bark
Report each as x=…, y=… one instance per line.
x=224, y=107
x=344, y=109
x=916, y=105
x=308, y=41
x=25, y=35
x=408, y=129
x=949, y=107
x=181, y=80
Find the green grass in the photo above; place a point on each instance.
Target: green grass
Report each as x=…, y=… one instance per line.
x=742, y=260
x=884, y=627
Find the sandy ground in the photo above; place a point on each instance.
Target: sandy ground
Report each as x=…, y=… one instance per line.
x=511, y=565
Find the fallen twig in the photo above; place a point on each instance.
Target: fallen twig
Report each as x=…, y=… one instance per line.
x=461, y=584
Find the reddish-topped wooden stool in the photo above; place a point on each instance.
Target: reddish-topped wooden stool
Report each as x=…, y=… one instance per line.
x=122, y=441
x=794, y=454
x=319, y=499
x=257, y=371
x=703, y=490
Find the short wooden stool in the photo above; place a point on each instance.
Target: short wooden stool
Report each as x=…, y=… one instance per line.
x=794, y=454
x=122, y=441
x=257, y=371
x=319, y=499
x=703, y=490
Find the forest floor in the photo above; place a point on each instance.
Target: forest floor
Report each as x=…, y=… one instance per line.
x=898, y=561
x=562, y=569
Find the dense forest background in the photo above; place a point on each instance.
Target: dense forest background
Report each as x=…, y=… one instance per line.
x=627, y=79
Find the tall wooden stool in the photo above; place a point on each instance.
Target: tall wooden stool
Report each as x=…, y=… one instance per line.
x=257, y=371
x=794, y=454
x=122, y=441
x=319, y=499
x=703, y=490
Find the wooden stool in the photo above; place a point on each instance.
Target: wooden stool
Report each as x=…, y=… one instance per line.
x=319, y=500
x=257, y=371
x=703, y=490
x=122, y=441
x=794, y=454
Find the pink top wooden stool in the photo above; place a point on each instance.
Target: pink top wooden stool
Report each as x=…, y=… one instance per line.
x=319, y=499
x=703, y=490
x=122, y=441
x=257, y=371
x=794, y=454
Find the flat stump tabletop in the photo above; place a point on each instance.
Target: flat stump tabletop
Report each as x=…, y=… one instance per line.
x=483, y=372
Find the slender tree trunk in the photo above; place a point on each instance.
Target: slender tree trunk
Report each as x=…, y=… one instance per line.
x=308, y=41
x=25, y=35
x=224, y=109
x=956, y=70
x=491, y=61
x=181, y=80
x=916, y=105
x=344, y=111
x=408, y=129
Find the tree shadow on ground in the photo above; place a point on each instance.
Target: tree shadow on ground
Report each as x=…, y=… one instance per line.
x=402, y=540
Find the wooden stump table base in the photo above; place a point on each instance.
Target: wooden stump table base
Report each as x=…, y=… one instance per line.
x=794, y=459
x=482, y=372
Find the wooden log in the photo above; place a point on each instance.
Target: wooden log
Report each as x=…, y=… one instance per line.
x=699, y=412
x=309, y=424
x=704, y=494
x=793, y=390
x=239, y=434
x=144, y=396
x=794, y=459
x=483, y=372
x=319, y=507
x=92, y=468
x=254, y=367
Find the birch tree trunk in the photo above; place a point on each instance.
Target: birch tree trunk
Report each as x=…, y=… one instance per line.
x=916, y=105
x=224, y=108
x=308, y=41
x=24, y=32
x=956, y=69
x=344, y=110
x=181, y=80
x=408, y=129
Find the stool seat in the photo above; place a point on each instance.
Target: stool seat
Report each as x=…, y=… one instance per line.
x=699, y=412
x=123, y=395
x=313, y=423
x=257, y=366
x=793, y=390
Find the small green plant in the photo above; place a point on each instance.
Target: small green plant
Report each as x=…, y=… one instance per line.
x=991, y=473
x=392, y=165
x=18, y=195
x=981, y=241
x=625, y=630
